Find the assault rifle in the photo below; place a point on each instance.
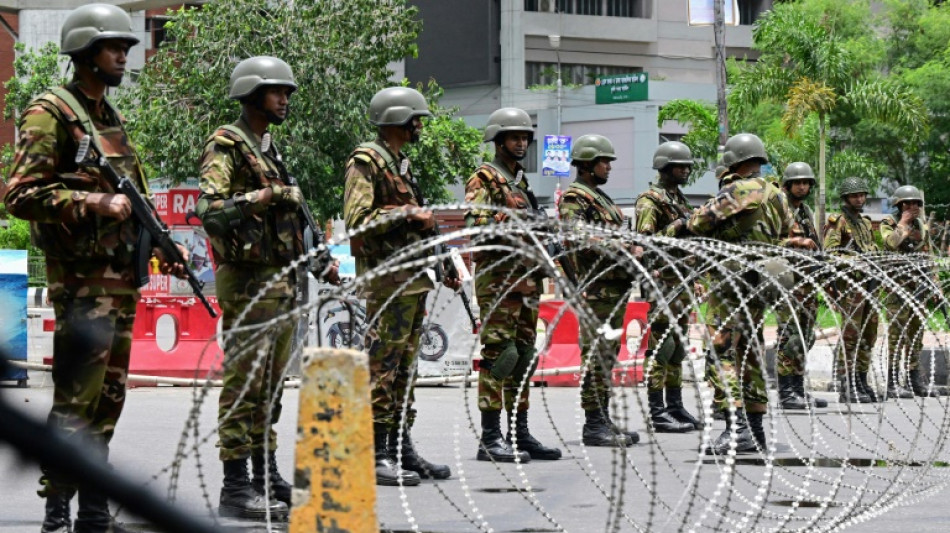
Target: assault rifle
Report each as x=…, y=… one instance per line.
x=554, y=247
x=313, y=238
x=153, y=233
x=446, y=266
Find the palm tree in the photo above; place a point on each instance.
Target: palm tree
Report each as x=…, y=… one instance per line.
x=703, y=136
x=811, y=70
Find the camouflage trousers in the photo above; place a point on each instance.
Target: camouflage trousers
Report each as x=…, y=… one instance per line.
x=91, y=348
x=513, y=319
x=712, y=372
x=905, y=331
x=393, y=343
x=796, y=331
x=739, y=354
x=666, y=347
x=254, y=366
x=859, y=333
x=605, y=302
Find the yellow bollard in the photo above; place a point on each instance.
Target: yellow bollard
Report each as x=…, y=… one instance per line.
x=334, y=480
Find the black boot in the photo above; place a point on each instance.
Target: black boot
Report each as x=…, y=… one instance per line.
x=868, y=389
x=849, y=391
x=674, y=406
x=631, y=434
x=788, y=396
x=745, y=440
x=411, y=460
x=93, y=515
x=492, y=447
x=755, y=426
x=896, y=389
x=598, y=433
x=919, y=387
x=527, y=443
x=800, y=388
x=386, y=471
x=57, y=519
x=663, y=422
x=280, y=489
x=240, y=500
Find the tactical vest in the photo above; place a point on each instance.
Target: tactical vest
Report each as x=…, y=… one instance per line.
x=739, y=227
x=514, y=196
x=601, y=210
x=96, y=236
x=276, y=236
x=390, y=190
x=670, y=211
x=917, y=241
x=858, y=234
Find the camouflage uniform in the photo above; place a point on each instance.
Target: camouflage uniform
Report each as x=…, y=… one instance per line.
x=607, y=295
x=905, y=329
x=375, y=188
x=89, y=259
x=791, y=346
x=859, y=315
x=745, y=209
x=249, y=252
x=500, y=279
x=657, y=209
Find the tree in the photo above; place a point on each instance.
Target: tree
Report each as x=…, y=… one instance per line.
x=340, y=53
x=817, y=60
x=703, y=136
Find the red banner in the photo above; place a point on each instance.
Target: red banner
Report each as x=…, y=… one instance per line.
x=174, y=205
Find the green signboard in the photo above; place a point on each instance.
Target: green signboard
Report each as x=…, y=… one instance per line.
x=622, y=88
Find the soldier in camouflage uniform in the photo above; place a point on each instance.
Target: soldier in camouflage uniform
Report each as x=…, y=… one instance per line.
x=248, y=206
x=378, y=183
x=664, y=210
x=850, y=234
x=507, y=297
x=797, y=324
x=906, y=234
x=89, y=239
x=747, y=208
x=585, y=202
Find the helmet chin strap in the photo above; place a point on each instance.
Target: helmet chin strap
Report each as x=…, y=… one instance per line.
x=411, y=129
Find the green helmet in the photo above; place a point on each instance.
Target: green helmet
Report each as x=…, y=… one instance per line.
x=260, y=71
x=395, y=106
x=672, y=153
x=721, y=171
x=798, y=171
x=94, y=22
x=743, y=147
x=852, y=185
x=508, y=119
x=906, y=193
x=590, y=147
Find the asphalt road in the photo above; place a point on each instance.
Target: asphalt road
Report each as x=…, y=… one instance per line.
x=661, y=484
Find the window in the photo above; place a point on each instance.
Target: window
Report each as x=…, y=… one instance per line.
x=542, y=73
x=156, y=26
x=751, y=10
x=610, y=8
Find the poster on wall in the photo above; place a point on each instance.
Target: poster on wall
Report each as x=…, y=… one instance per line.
x=13, y=324
x=557, y=156
x=199, y=258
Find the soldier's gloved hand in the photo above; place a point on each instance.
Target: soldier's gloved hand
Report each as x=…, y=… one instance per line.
x=109, y=205
x=286, y=195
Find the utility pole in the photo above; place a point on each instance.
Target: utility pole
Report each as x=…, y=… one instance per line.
x=719, y=26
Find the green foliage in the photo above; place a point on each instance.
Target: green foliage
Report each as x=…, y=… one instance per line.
x=703, y=136
x=339, y=51
x=16, y=236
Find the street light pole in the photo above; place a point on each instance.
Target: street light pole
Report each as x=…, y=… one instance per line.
x=719, y=37
x=555, y=41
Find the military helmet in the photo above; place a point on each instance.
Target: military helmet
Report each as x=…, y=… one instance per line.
x=798, y=171
x=721, y=171
x=852, y=185
x=95, y=22
x=259, y=71
x=395, y=106
x=590, y=147
x=672, y=153
x=743, y=147
x=907, y=193
x=508, y=119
